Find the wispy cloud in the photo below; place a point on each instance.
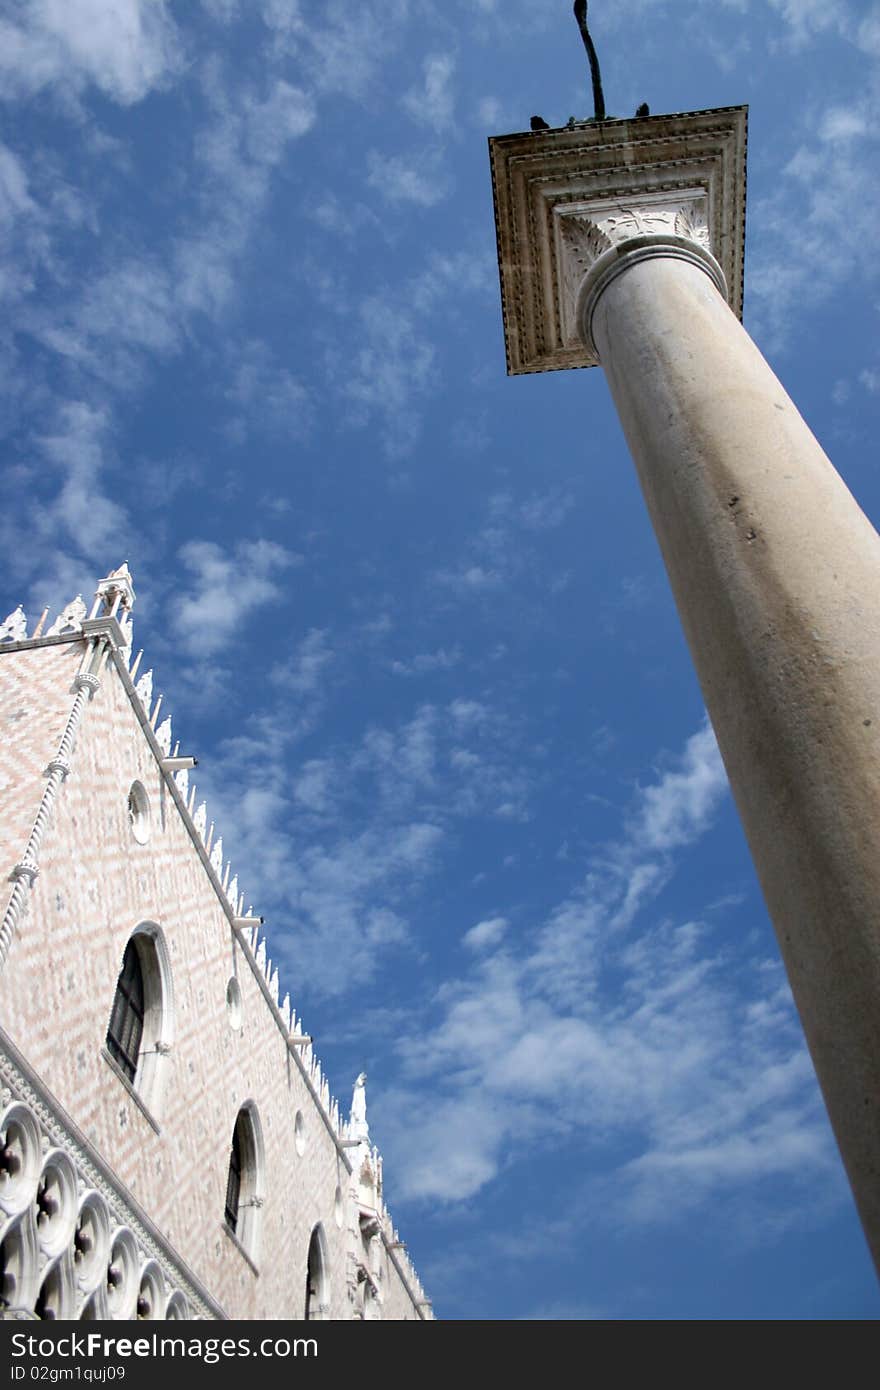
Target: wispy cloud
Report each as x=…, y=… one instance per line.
x=407, y=179
x=433, y=103
x=227, y=586
x=423, y=663
x=485, y=935
x=270, y=399
x=666, y=1040
x=503, y=548
x=812, y=234
x=676, y=810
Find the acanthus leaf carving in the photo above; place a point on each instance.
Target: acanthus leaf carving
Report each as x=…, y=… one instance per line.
x=585, y=231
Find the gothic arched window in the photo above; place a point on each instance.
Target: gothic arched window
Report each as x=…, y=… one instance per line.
x=244, y=1180
x=233, y=1180
x=317, y=1277
x=127, y=1017
x=141, y=1020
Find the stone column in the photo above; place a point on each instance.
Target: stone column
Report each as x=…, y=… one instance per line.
x=776, y=574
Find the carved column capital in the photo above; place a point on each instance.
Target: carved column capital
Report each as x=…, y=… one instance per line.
x=599, y=239
x=86, y=681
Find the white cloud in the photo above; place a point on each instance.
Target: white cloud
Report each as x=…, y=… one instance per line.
x=407, y=180
x=285, y=114
x=395, y=365
x=433, y=103
x=302, y=673
x=841, y=391
x=126, y=48
x=544, y=512
x=423, y=663
x=489, y=111
x=806, y=18
x=670, y=1043
x=390, y=371
x=485, y=934
x=824, y=195
x=870, y=380
x=226, y=11
x=345, y=49
x=77, y=449
x=15, y=200
x=228, y=586
x=61, y=542
x=868, y=37
x=843, y=123
x=676, y=810
x=274, y=402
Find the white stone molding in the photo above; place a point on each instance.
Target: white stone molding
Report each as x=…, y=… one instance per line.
x=67, y=1218
x=565, y=198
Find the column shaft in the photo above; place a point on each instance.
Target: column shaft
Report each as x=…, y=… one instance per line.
x=776, y=574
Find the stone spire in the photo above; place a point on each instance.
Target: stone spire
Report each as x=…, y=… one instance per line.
x=114, y=592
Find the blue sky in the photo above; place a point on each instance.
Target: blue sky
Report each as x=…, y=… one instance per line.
x=410, y=614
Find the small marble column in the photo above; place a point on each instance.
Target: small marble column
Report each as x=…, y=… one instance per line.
x=776, y=574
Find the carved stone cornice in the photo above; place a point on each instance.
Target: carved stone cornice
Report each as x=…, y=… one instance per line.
x=580, y=202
